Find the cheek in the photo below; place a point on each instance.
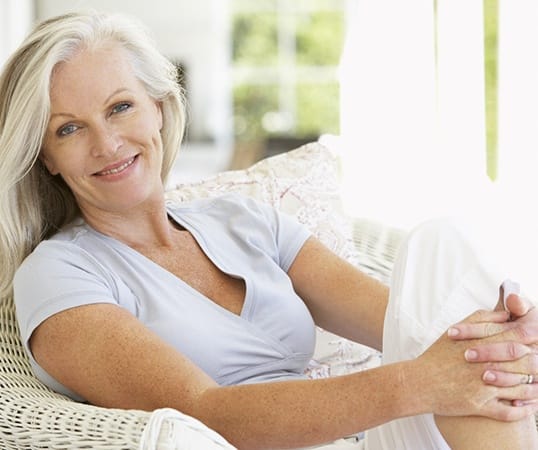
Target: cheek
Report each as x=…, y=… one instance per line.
x=54, y=155
x=49, y=161
x=65, y=161
x=147, y=131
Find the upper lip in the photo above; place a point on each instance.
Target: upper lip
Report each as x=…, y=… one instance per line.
x=116, y=164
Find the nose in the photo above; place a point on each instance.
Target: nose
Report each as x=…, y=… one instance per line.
x=105, y=140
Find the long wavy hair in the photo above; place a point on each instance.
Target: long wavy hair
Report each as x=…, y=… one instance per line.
x=33, y=203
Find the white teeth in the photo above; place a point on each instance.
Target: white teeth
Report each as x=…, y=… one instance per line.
x=117, y=169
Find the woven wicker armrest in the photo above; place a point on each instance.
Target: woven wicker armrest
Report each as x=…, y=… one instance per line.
x=33, y=416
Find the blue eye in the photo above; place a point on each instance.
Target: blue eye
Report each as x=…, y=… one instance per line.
x=120, y=107
x=66, y=130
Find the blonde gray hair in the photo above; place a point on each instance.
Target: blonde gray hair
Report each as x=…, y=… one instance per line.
x=34, y=204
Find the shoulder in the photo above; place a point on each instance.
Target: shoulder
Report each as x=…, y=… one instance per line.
x=57, y=275
x=67, y=253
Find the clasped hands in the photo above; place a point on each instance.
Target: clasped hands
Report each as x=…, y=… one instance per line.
x=504, y=342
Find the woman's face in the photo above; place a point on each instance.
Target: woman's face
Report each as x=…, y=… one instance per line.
x=103, y=137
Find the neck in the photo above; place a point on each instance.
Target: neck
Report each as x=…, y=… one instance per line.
x=141, y=227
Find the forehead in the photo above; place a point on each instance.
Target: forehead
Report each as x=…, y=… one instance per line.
x=91, y=75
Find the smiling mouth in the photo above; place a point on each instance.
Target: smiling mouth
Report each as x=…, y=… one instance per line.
x=118, y=169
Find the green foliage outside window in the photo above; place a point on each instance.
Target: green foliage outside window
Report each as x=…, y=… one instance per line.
x=255, y=39
x=318, y=109
x=320, y=37
x=251, y=103
x=285, y=64
x=491, y=8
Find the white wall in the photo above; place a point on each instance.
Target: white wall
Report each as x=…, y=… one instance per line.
x=195, y=33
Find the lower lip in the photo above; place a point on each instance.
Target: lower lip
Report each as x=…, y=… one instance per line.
x=119, y=175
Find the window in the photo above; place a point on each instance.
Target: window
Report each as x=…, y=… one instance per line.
x=285, y=60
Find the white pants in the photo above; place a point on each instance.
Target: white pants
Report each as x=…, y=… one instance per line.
x=438, y=279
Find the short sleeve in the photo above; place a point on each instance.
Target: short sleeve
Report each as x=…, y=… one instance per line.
x=57, y=276
x=290, y=235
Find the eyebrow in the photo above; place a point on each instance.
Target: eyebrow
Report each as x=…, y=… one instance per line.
x=116, y=92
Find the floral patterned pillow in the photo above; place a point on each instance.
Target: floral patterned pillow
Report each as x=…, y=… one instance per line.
x=305, y=184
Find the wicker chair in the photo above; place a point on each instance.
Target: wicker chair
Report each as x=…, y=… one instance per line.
x=34, y=417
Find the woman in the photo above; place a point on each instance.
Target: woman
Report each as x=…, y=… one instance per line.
x=209, y=307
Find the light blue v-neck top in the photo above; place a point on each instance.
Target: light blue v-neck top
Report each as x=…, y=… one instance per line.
x=272, y=339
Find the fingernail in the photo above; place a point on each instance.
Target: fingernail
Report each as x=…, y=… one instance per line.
x=471, y=355
x=453, y=332
x=489, y=376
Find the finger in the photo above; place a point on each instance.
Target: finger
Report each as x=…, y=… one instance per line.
x=523, y=331
x=482, y=318
x=506, y=379
x=511, y=412
x=497, y=352
x=484, y=315
x=526, y=365
x=522, y=393
x=481, y=330
x=518, y=305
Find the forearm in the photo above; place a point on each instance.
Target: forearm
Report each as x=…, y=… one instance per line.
x=307, y=412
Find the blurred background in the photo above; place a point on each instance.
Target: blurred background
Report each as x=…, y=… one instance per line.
x=430, y=103
x=260, y=76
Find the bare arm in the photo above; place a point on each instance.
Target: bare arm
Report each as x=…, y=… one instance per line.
x=341, y=298
x=108, y=357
